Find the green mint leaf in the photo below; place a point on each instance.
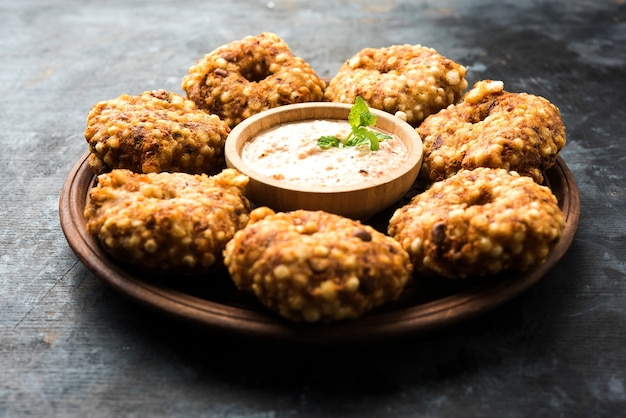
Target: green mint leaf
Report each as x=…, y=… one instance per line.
x=369, y=136
x=381, y=136
x=328, y=141
x=362, y=135
x=360, y=114
x=353, y=139
x=359, y=118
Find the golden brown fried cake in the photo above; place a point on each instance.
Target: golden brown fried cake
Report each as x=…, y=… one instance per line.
x=315, y=266
x=479, y=222
x=410, y=81
x=154, y=132
x=492, y=128
x=245, y=77
x=168, y=221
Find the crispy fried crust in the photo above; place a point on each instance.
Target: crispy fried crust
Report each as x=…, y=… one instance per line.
x=245, y=77
x=168, y=221
x=492, y=128
x=479, y=222
x=154, y=132
x=411, y=81
x=314, y=266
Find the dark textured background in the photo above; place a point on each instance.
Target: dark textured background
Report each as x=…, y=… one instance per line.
x=72, y=346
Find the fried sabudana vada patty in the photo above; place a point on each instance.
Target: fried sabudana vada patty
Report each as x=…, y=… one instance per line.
x=247, y=76
x=479, y=222
x=153, y=132
x=168, y=221
x=313, y=266
x=492, y=128
x=410, y=81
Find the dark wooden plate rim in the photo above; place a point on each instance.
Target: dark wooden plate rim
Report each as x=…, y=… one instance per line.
x=246, y=318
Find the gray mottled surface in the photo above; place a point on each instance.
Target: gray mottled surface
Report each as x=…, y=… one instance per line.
x=71, y=346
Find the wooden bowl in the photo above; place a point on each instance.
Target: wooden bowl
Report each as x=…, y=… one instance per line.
x=358, y=201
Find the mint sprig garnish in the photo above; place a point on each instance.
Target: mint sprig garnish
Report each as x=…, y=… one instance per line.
x=359, y=119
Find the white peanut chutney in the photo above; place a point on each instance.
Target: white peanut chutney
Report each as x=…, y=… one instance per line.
x=290, y=153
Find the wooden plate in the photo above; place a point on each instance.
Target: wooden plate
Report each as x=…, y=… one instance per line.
x=218, y=305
